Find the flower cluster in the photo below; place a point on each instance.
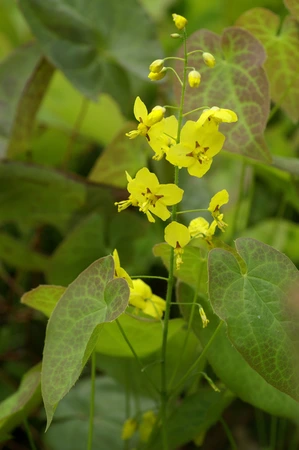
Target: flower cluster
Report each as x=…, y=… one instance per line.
x=191, y=145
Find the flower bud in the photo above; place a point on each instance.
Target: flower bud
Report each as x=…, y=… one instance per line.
x=157, y=76
x=179, y=21
x=194, y=78
x=157, y=65
x=204, y=318
x=155, y=116
x=175, y=35
x=209, y=59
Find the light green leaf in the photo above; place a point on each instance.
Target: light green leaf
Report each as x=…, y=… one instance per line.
x=90, y=43
x=121, y=155
x=43, y=298
x=231, y=367
x=258, y=305
x=83, y=245
x=237, y=82
x=282, y=46
x=93, y=298
x=293, y=6
x=18, y=406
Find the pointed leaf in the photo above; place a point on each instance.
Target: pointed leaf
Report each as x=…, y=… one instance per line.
x=282, y=46
x=260, y=307
x=43, y=298
x=237, y=82
x=93, y=298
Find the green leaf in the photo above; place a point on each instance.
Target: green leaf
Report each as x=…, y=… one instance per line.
x=17, y=254
x=29, y=103
x=231, y=367
x=129, y=154
x=293, y=7
x=91, y=45
x=194, y=415
x=15, y=71
x=15, y=408
x=282, y=46
x=34, y=195
x=258, y=306
x=237, y=82
x=83, y=245
x=93, y=298
x=110, y=414
x=43, y=298
x=290, y=165
x=193, y=270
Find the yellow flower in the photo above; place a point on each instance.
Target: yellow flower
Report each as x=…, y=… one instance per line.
x=142, y=297
x=203, y=317
x=157, y=65
x=156, y=76
x=148, y=421
x=129, y=428
x=150, y=196
x=119, y=271
x=178, y=236
x=219, y=199
x=146, y=121
x=200, y=228
x=209, y=59
x=217, y=115
x=164, y=136
x=179, y=21
x=196, y=150
x=194, y=78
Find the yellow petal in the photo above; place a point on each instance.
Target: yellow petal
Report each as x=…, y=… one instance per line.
x=198, y=226
x=172, y=194
x=198, y=169
x=219, y=199
x=147, y=178
x=140, y=110
x=176, y=233
x=160, y=211
x=177, y=155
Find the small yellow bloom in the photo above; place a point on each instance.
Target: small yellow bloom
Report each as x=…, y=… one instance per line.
x=146, y=121
x=141, y=297
x=178, y=236
x=119, y=271
x=197, y=148
x=156, y=76
x=209, y=59
x=204, y=318
x=219, y=199
x=200, y=228
x=163, y=136
x=129, y=428
x=194, y=78
x=149, y=419
x=157, y=65
x=179, y=21
x=217, y=115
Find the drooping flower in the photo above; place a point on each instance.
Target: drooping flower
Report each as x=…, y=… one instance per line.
x=149, y=419
x=119, y=271
x=142, y=297
x=178, y=236
x=196, y=149
x=219, y=199
x=194, y=78
x=179, y=21
x=208, y=59
x=164, y=136
x=129, y=428
x=146, y=121
x=150, y=196
x=156, y=76
x=157, y=65
x=200, y=228
x=217, y=115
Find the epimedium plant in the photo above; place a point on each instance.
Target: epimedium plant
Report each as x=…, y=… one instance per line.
x=239, y=301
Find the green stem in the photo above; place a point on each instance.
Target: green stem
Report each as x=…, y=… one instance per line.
x=195, y=110
x=149, y=276
x=198, y=360
x=273, y=432
x=173, y=57
x=92, y=400
x=192, y=210
x=29, y=434
x=176, y=74
x=136, y=356
x=240, y=196
x=195, y=51
x=229, y=435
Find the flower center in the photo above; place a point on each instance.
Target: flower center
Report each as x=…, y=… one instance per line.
x=199, y=153
x=150, y=200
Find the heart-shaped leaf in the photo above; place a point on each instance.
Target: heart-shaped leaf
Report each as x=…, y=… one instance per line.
x=282, y=46
x=260, y=307
x=237, y=82
x=94, y=298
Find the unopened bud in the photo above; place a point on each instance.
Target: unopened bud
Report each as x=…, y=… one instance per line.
x=209, y=59
x=194, y=78
x=157, y=76
x=204, y=318
x=155, y=115
x=179, y=21
x=175, y=35
x=157, y=65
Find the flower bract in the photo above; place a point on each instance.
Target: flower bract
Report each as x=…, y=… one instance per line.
x=146, y=121
x=163, y=136
x=178, y=236
x=179, y=21
x=219, y=199
x=142, y=297
x=196, y=149
x=217, y=115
